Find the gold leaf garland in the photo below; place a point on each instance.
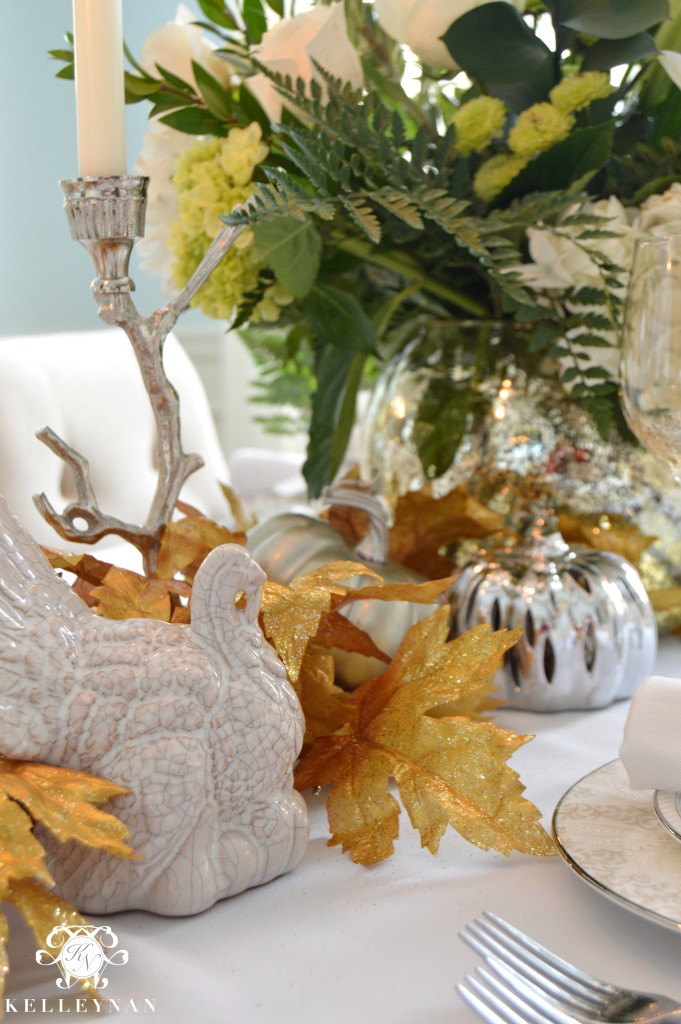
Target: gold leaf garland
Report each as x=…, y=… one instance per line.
x=417, y=723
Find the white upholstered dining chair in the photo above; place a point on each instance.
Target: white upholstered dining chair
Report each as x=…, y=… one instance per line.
x=87, y=387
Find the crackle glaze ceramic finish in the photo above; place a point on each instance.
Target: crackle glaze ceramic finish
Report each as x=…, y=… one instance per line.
x=199, y=722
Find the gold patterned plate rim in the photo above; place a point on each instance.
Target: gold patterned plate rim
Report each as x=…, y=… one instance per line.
x=667, y=807
x=610, y=836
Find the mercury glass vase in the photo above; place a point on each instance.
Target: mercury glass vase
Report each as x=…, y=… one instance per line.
x=463, y=404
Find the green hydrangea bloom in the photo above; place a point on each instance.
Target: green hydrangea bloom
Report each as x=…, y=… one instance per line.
x=578, y=91
x=538, y=128
x=495, y=174
x=212, y=177
x=477, y=123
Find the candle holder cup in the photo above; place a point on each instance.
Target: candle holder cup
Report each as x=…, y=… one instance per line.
x=106, y=215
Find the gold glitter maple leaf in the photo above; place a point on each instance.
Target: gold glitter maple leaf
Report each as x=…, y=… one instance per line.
x=291, y=614
x=449, y=770
x=62, y=800
x=605, y=532
x=186, y=542
x=117, y=593
x=424, y=527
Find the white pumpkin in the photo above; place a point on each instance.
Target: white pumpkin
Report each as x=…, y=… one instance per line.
x=292, y=543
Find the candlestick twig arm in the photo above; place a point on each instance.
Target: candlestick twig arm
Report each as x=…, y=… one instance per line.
x=219, y=247
x=85, y=508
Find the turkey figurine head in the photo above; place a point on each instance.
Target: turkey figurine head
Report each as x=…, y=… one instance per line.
x=198, y=722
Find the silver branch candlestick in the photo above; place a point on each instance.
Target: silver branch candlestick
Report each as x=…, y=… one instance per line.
x=106, y=215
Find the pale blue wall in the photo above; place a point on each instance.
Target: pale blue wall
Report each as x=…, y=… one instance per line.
x=44, y=276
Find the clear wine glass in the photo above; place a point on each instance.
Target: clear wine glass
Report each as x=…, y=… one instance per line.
x=651, y=348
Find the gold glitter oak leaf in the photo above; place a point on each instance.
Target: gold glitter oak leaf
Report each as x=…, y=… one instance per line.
x=62, y=801
x=449, y=769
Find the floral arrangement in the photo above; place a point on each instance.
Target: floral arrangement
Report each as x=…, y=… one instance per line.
x=411, y=159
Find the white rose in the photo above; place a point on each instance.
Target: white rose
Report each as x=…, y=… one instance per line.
x=176, y=44
x=661, y=214
x=291, y=46
x=421, y=24
x=559, y=263
x=161, y=148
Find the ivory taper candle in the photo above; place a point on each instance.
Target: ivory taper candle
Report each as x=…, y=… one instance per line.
x=100, y=90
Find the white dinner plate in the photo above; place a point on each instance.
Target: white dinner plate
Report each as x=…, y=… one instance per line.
x=668, y=809
x=609, y=834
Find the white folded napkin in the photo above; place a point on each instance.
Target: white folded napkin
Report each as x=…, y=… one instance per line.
x=651, y=750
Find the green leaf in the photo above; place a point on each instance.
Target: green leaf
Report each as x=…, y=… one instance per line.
x=576, y=158
x=255, y=19
x=589, y=340
x=277, y=6
x=612, y=19
x=589, y=296
x=217, y=99
x=602, y=412
x=252, y=110
x=544, y=336
x=494, y=45
x=608, y=53
x=174, y=80
x=293, y=249
x=68, y=73
x=337, y=379
x=65, y=55
x=346, y=415
x=529, y=314
x=218, y=13
x=336, y=318
x=595, y=321
x=441, y=423
x=163, y=102
x=141, y=87
x=194, y=121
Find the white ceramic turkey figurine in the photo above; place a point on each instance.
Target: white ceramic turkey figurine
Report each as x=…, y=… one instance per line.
x=292, y=543
x=199, y=723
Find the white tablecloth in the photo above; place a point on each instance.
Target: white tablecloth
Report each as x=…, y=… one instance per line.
x=340, y=943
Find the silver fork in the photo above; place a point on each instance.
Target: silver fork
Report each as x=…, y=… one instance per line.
x=524, y=983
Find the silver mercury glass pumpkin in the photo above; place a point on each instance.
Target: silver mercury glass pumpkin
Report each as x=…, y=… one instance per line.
x=589, y=632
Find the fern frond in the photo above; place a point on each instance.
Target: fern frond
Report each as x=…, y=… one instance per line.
x=399, y=205
x=363, y=216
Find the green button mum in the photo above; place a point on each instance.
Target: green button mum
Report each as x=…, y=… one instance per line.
x=478, y=123
x=578, y=91
x=538, y=128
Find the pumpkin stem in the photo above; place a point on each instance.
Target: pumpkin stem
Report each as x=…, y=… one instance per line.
x=374, y=546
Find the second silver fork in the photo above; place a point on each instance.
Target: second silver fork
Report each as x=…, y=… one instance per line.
x=524, y=983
